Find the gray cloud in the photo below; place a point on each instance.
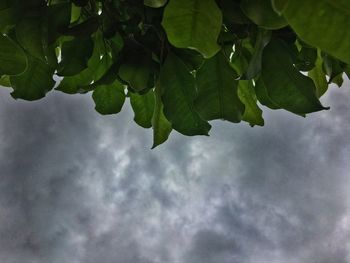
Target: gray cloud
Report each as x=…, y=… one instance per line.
x=79, y=187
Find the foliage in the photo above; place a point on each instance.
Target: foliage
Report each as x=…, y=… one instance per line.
x=181, y=63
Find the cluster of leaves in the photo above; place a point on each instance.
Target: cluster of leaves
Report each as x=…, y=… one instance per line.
x=181, y=63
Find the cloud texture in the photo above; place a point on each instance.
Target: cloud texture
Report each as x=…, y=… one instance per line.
x=83, y=188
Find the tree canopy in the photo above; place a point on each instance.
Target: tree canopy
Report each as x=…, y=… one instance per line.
x=181, y=63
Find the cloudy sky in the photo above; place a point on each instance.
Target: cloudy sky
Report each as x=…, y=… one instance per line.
x=79, y=187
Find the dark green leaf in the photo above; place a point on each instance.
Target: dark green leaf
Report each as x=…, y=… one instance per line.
x=80, y=2
x=12, y=57
x=34, y=83
x=232, y=12
x=262, y=96
x=108, y=77
x=306, y=59
x=285, y=85
x=252, y=113
x=30, y=35
x=262, y=14
x=279, y=5
x=347, y=71
x=57, y=20
x=191, y=58
x=143, y=106
x=193, y=24
x=217, y=91
x=332, y=67
x=97, y=67
x=338, y=80
x=75, y=56
x=178, y=95
x=8, y=17
x=109, y=99
x=161, y=126
x=116, y=43
x=84, y=29
x=136, y=69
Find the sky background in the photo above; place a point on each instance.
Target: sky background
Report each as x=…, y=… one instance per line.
x=79, y=187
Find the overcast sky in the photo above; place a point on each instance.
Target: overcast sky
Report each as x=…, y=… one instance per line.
x=79, y=187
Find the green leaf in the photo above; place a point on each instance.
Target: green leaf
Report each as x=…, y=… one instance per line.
x=217, y=91
x=8, y=17
x=178, y=95
x=97, y=67
x=107, y=78
x=262, y=96
x=252, y=113
x=84, y=29
x=143, y=106
x=285, y=85
x=322, y=23
x=136, y=69
x=5, y=81
x=116, y=43
x=279, y=5
x=80, y=3
x=254, y=66
x=34, y=83
x=306, y=59
x=75, y=13
x=154, y=3
x=192, y=59
x=161, y=126
x=12, y=57
x=262, y=14
x=95, y=70
x=57, y=20
x=338, y=80
x=232, y=13
x=29, y=34
x=194, y=24
x=319, y=78
x=240, y=58
x=109, y=99
x=333, y=67
x=75, y=56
